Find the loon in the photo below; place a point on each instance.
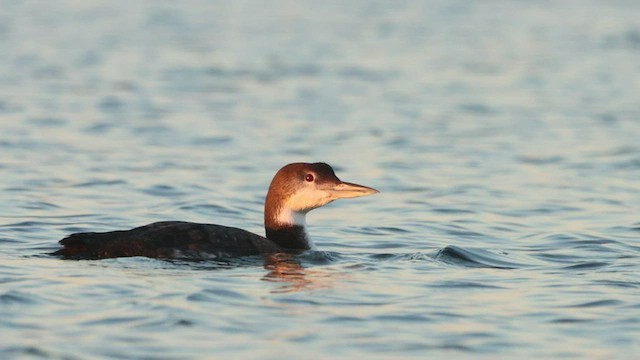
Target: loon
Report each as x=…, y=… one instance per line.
x=296, y=189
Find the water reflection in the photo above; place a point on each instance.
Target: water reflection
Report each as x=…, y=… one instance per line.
x=293, y=277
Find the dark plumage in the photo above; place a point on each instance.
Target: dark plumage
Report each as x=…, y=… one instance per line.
x=167, y=239
x=295, y=190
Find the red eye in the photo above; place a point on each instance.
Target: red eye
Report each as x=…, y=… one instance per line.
x=309, y=177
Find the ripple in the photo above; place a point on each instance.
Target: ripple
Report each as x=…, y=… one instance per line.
x=383, y=257
x=540, y=160
x=198, y=262
x=568, y=320
x=4, y=240
x=114, y=320
x=100, y=182
x=465, y=233
x=27, y=226
x=403, y=318
x=163, y=190
x=557, y=258
x=217, y=295
x=8, y=107
x=212, y=141
x=455, y=284
x=479, y=258
x=319, y=257
x=343, y=319
x=587, y=266
x=598, y=303
x=48, y=122
x=40, y=205
x=16, y=297
x=208, y=209
x=416, y=257
x=373, y=230
x=111, y=104
x=30, y=351
x=477, y=109
x=452, y=211
x=619, y=283
x=363, y=74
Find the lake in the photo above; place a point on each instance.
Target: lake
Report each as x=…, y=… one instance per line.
x=503, y=137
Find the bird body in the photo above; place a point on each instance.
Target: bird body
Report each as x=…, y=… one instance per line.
x=168, y=239
x=295, y=190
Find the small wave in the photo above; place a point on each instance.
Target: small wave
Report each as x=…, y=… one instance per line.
x=540, y=160
x=217, y=295
x=453, y=211
x=100, y=182
x=454, y=255
x=477, y=108
x=416, y=257
x=212, y=140
x=5, y=240
x=26, y=226
x=552, y=257
x=619, y=283
x=586, y=266
x=364, y=74
x=114, y=320
x=567, y=320
x=213, y=262
x=374, y=230
x=319, y=257
x=384, y=256
x=598, y=303
x=40, y=205
x=48, y=122
x=28, y=351
x=208, y=209
x=163, y=190
x=463, y=285
x=202, y=262
x=14, y=297
x=479, y=258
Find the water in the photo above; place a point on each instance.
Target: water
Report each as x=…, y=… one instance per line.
x=503, y=137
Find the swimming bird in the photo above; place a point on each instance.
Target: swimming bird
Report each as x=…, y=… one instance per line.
x=295, y=190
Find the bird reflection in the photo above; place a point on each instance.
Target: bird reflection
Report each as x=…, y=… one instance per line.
x=286, y=270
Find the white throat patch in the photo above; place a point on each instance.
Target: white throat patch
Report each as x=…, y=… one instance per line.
x=297, y=218
x=290, y=217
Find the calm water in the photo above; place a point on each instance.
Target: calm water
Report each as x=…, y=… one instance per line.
x=504, y=137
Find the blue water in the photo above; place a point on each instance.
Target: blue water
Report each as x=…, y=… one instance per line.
x=504, y=137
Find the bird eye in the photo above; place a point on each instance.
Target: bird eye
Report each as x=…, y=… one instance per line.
x=309, y=177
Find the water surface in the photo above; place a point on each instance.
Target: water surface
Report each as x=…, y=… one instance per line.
x=503, y=137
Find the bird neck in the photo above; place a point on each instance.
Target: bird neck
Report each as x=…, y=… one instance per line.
x=291, y=237
x=286, y=227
